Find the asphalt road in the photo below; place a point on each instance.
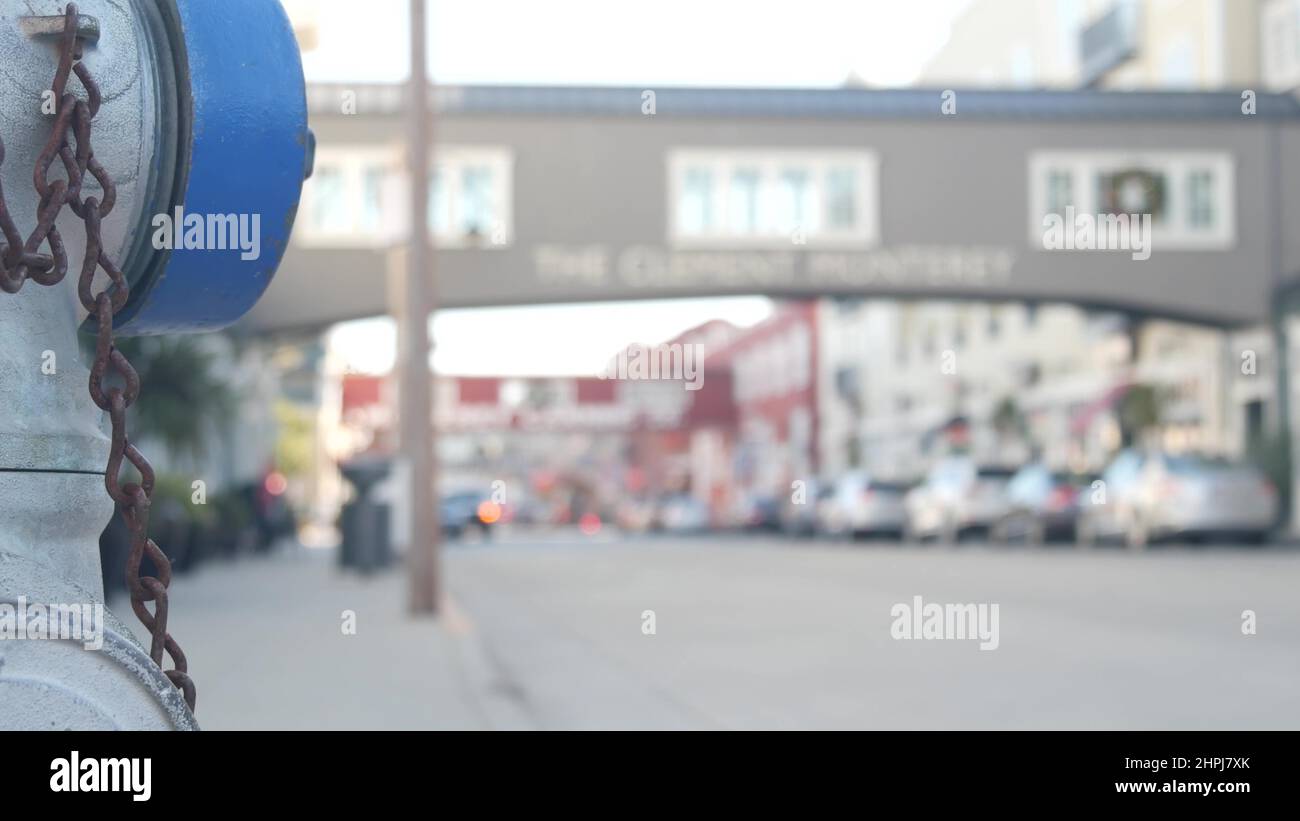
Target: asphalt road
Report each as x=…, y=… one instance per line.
x=750, y=633
x=770, y=633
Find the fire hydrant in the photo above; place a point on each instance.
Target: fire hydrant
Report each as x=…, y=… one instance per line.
x=203, y=113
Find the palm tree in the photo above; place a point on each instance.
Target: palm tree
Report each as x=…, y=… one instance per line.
x=1141, y=410
x=1007, y=419
x=1011, y=427
x=182, y=395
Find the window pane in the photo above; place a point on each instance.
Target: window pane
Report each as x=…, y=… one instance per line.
x=742, y=204
x=439, y=204
x=695, y=211
x=329, y=201
x=790, y=205
x=1200, y=199
x=372, y=192
x=841, y=199
x=477, y=213
x=1060, y=192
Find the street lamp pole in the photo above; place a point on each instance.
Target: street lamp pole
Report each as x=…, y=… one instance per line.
x=416, y=386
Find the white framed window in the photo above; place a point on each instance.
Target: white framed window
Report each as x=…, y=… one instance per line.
x=358, y=197
x=1189, y=195
x=351, y=198
x=471, y=190
x=773, y=198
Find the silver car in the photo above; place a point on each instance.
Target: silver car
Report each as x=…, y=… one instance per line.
x=862, y=506
x=802, y=515
x=683, y=513
x=1150, y=495
x=957, y=497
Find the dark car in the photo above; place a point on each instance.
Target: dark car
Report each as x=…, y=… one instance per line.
x=463, y=512
x=1041, y=505
x=800, y=515
x=758, y=512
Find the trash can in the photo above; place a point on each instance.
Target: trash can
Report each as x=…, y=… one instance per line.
x=367, y=540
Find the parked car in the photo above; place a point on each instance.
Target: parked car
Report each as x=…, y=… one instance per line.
x=862, y=506
x=757, y=512
x=801, y=515
x=1041, y=504
x=1151, y=495
x=682, y=513
x=462, y=513
x=635, y=514
x=956, y=497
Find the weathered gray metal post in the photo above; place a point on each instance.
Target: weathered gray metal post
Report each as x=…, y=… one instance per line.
x=418, y=440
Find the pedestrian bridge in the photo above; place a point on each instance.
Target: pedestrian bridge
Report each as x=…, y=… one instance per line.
x=580, y=194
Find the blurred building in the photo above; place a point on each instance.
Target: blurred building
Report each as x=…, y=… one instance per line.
x=746, y=426
x=775, y=391
x=937, y=304
x=1025, y=380
x=791, y=193
x=1018, y=376
x=1213, y=404
x=822, y=387
x=305, y=16
x=1121, y=44
x=1279, y=44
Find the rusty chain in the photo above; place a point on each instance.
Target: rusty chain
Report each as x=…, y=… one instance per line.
x=21, y=260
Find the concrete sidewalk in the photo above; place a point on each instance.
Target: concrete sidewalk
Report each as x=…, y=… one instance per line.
x=266, y=647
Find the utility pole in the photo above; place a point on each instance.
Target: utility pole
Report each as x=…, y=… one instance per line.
x=415, y=390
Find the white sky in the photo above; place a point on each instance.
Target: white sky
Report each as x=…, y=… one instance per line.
x=621, y=42
x=805, y=43
x=542, y=340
